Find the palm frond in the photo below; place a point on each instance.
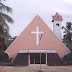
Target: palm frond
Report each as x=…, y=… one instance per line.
x=5, y=8
x=5, y=26
x=7, y=18
x=66, y=30
x=8, y=9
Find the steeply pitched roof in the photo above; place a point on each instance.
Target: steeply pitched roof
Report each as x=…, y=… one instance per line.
x=27, y=41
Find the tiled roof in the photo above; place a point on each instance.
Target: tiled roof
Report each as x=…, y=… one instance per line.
x=57, y=17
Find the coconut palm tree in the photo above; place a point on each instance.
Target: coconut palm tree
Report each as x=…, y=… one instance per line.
x=4, y=28
x=67, y=38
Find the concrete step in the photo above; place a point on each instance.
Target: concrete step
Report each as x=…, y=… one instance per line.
x=34, y=65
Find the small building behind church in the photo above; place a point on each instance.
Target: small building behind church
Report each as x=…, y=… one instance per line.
x=38, y=44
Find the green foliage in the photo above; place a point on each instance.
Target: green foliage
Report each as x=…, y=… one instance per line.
x=68, y=25
x=4, y=30
x=5, y=8
x=6, y=17
x=3, y=40
x=10, y=40
x=4, y=57
x=68, y=58
x=67, y=38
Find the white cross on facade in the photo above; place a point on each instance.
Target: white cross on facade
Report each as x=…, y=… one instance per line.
x=37, y=35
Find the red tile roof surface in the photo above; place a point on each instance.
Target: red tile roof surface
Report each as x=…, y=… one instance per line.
x=57, y=17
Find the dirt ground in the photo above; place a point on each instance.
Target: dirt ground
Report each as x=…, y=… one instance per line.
x=36, y=68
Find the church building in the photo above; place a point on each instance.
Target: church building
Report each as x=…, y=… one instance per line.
x=37, y=44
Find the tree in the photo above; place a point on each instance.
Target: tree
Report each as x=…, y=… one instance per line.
x=3, y=40
x=10, y=40
x=4, y=28
x=68, y=58
x=67, y=38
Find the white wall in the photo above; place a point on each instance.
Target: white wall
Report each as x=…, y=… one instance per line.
x=57, y=29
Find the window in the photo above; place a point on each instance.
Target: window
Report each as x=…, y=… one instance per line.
x=57, y=24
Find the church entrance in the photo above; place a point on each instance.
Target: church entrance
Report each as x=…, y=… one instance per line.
x=35, y=58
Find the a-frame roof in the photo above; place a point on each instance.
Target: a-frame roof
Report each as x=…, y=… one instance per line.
x=27, y=41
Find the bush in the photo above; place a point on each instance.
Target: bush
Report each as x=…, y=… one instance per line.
x=68, y=58
x=4, y=57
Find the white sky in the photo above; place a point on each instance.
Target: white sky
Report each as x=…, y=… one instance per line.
x=25, y=10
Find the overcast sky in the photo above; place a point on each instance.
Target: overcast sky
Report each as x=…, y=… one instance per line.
x=25, y=10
